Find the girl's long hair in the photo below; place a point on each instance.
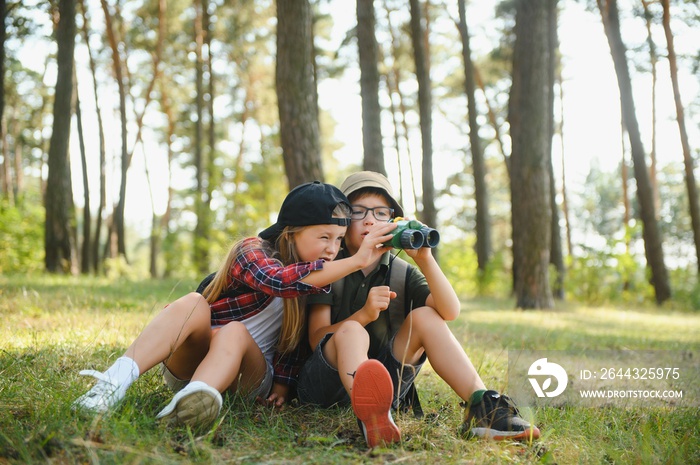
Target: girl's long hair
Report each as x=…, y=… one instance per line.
x=285, y=250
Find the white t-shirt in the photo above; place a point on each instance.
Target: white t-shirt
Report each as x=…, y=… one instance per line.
x=265, y=327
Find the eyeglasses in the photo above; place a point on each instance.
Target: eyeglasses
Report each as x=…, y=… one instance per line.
x=380, y=213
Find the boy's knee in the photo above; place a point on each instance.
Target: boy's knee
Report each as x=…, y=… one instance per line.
x=351, y=330
x=351, y=326
x=423, y=315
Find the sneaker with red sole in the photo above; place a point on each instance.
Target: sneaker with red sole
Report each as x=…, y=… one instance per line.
x=372, y=395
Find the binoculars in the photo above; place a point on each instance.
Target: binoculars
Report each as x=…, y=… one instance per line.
x=411, y=234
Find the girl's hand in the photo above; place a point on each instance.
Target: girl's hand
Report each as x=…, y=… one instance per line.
x=372, y=244
x=277, y=396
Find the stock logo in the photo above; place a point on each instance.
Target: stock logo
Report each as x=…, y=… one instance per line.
x=542, y=368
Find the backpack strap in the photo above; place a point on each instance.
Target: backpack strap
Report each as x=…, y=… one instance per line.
x=396, y=279
x=399, y=308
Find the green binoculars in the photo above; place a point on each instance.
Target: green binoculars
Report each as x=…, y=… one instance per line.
x=412, y=234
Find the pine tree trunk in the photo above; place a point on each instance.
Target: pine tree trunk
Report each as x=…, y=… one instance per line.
x=3, y=135
x=556, y=255
x=200, y=240
x=483, y=220
x=688, y=161
x=296, y=93
x=653, y=59
x=85, y=249
x=653, y=246
x=118, y=215
x=373, y=159
x=95, y=247
x=60, y=214
x=396, y=74
x=420, y=55
x=530, y=184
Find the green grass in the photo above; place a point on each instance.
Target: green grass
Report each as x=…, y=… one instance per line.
x=55, y=326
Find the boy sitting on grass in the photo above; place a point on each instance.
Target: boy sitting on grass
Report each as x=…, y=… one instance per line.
x=366, y=355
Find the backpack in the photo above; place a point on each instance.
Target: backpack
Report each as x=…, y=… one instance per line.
x=240, y=290
x=398, y=310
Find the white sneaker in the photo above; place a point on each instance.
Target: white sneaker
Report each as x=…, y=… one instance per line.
x=103, y=396
x=196, y=405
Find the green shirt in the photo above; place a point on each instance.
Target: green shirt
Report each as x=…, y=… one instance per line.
x=355, y=289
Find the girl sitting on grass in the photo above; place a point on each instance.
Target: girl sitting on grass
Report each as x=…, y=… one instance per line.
x=241, y=332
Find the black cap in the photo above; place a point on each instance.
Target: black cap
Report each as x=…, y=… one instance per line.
x=306, y=205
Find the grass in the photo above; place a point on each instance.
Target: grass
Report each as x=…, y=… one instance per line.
x=55, y=326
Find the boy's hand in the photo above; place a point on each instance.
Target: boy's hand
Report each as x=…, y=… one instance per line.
x=419, y=253
x=378, y=300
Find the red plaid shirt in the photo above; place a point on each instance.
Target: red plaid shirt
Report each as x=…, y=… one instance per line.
x=265, y=279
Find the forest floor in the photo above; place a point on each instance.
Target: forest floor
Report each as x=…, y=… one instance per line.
x=53, y=327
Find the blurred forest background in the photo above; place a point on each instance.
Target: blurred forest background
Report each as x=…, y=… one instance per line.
x=141, y=138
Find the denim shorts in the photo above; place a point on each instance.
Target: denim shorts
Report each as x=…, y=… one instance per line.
x=320, y=385
x=176, y=384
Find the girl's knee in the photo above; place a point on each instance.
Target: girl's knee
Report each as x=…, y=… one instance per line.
x=191, y=305
x=233, y=336
x=232, y=331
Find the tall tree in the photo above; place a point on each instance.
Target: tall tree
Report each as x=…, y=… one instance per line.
x=530, y=183
x=373, y=159
x=556, y=254
x=3, y=32
x=296, y=93
x=394, y=79
x=85, y=248
x=117, y=226
x=201, y=153
x=425, y=106
x=688, y=161
x=94, y=253
x=653, y=246
x=653, y=60
x=60, y=215
x=483, y=220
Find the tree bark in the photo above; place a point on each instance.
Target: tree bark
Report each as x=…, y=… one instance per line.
x=201, y=231
x=688, y=161
x=396, y=75
x=425, y=105
x=118, y=215
x=3, y=135
x=483, y=220
x=373, y=159
x=653, y=60
x=530, y=182
x=556, y=255
x=60, y=214
x=653, y=247
x=296, y=93
x=85, y=248
x=95, y=252
x=157, y=238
